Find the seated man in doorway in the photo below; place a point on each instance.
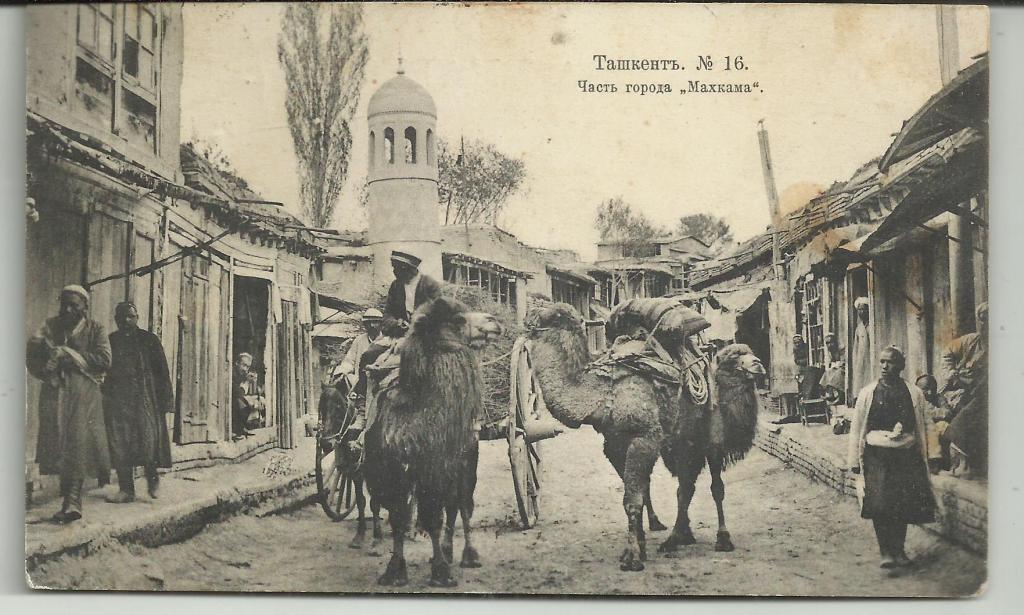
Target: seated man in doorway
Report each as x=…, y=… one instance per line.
x=245, y=401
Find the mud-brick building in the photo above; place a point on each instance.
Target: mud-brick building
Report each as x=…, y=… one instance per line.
x=214, y=270
x=908, y=232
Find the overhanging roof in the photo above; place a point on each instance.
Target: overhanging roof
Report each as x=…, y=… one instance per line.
x=963, y=102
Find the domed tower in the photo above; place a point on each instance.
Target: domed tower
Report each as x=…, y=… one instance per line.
x=402, y=177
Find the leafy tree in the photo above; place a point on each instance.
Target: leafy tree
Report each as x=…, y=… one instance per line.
x=323, y=80
x=617, y=222
x=475, y=181
x=705, y=227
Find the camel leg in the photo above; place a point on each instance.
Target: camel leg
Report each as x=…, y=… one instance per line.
x=724, y=541
x=378, y=534
x=641, y=455
x=652, y=518
x=689, y=469
x=396, y=573
x=451, y=515
x=430, y=513
x=360, y=537
x=470, y=557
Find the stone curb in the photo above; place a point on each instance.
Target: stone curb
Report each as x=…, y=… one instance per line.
x=179, y=522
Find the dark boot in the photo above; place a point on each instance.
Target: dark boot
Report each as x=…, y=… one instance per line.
x=152, y=481
x=72, y=506
x=126, y=486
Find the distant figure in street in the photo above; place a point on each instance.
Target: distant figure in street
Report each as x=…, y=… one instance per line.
x=833, y=381
x=860, y=371
x=965, y=389
x=137, y=395
x=70, y=353
x=889, y=442
x=241, y=386
x=800, y=352
x=410, y=290
x=938, y=414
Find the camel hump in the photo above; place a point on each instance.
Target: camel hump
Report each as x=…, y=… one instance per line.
x=672, y=318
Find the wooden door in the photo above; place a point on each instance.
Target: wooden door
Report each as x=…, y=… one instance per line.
x=193, y=354
x=225, y=341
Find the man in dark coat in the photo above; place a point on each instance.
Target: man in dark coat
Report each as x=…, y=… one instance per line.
x=410, y=290
x=70, y=354
x=136, y=395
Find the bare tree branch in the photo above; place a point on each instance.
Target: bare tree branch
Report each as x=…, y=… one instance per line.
x=478, y=188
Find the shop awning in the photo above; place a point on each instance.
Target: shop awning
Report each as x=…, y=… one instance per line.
x=821, y=248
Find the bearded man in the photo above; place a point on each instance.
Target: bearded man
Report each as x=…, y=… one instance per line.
x=137, y=394
x=70, y=353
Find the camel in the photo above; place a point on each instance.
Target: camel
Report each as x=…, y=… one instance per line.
x=640, y=421
x=423, y=440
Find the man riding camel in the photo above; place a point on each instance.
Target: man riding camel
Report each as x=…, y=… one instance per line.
x=408, y=291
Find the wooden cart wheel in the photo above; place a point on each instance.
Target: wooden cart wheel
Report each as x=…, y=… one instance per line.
x=525, y=461
x=334, y=484
x=524, y=457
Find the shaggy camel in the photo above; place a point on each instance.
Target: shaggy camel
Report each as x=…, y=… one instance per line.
x=423, y=440
x=639, y=421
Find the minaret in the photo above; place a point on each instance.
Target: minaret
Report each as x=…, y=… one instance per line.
x=402, y=177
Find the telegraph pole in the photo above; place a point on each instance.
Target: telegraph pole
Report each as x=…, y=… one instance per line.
x=773, y=197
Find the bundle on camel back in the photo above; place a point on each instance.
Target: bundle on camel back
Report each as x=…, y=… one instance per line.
x=421, y=439
x=649, y=396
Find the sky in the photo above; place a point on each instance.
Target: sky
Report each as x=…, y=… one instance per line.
x=835, y=85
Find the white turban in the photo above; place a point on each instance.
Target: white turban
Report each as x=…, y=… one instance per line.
x=861, y=302
x=75, y=289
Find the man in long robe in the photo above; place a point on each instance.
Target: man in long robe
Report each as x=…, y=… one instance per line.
x=965, y=388
x=860, y=369
x=137, y=395
x=70, y=354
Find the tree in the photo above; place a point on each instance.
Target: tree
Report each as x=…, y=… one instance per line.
x=617, y=222
x=323, y=80
x=475, y=181
x=705, y=227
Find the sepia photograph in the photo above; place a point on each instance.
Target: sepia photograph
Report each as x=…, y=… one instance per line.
x=535, y=299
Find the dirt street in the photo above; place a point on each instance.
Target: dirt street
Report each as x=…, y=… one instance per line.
x=792, y=536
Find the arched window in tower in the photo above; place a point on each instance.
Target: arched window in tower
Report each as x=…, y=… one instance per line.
x=389, y=145
x=373, y=150
x=430, y=147
x=410, y=145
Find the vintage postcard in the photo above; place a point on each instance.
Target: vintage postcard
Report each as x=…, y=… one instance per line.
x=514, y=299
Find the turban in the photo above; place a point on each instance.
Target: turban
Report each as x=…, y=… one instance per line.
x=861, y=302
x=75, y=289
x=123, y=307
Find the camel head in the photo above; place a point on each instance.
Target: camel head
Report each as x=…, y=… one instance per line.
x=448, y=323
x=561, y=326
x=739, y=359
x=560, y=316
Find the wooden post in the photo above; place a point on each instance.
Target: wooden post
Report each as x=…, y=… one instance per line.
x=773, y=197
x=949, y=43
